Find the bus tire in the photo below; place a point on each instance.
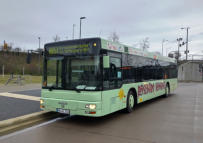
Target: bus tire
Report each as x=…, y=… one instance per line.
x=167, y=91
x=131, y=101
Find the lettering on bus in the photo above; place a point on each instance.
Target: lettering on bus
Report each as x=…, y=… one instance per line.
x=145, y=89
x=114, y=47
x=160, y=86
x=69, y=49
x=150, y=88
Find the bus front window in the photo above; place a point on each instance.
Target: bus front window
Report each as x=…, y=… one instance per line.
x=83, y=73
x=53, y=74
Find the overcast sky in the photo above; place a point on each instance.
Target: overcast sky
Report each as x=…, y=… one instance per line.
x=23, y=21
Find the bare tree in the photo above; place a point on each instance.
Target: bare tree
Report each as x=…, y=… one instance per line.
x=56, y=38
x=114, y=37
x=135, y=45
x=144, y=44
x=17, y=49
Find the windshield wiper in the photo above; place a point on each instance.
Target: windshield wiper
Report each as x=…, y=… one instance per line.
x=51, y=88
x=77, y=90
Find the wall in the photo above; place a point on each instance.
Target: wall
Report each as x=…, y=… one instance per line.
x=190, y=71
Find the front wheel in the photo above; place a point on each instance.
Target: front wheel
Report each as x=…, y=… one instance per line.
x=130, y=102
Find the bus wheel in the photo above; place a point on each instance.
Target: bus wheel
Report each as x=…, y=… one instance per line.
x=167, y=91
x=130, y=102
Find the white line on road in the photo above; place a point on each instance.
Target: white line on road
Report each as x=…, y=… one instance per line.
x=20, y=96
x=31, y=128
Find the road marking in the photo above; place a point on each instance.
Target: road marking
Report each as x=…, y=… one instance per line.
x=31, y=128
x=20, y=96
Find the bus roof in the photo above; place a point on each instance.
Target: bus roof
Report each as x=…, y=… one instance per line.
x=115, y=46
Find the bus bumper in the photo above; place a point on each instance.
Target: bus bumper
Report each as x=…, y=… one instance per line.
x=72, y=107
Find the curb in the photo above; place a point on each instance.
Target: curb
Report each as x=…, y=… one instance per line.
x=14, y=124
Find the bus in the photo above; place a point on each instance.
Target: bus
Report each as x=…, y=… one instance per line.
x=95, y=77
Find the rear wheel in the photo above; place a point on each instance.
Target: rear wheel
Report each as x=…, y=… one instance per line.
x=167, y=91
x=130, y=102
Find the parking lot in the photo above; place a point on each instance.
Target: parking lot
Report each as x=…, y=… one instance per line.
x=17, y=101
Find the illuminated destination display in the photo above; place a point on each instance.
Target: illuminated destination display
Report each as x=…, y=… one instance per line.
x=70, y=49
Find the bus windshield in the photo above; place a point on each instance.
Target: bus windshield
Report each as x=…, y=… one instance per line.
x=83, y=73
x=73, y=73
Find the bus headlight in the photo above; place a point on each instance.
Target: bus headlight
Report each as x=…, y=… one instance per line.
x=90, y=106
x=41, y=101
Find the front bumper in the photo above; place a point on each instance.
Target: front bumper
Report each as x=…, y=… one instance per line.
x=75, y=107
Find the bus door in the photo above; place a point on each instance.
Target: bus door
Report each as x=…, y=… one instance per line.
x=114, y=73
x=112, y=82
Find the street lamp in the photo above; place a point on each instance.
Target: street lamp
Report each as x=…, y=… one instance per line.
x=73, y=30
x=39, y=41
x=164, y=40
x=80, y=24
x=39, y=52
x=167, y=50
x=186, y=52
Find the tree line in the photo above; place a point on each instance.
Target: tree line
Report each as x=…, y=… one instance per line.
x=13, y=62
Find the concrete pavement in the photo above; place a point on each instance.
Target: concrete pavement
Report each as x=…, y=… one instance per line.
x=176, y=119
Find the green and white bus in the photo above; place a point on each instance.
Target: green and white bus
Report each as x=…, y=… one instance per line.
x=95, y=77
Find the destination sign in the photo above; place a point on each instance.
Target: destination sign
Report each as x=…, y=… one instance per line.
x=70, y=49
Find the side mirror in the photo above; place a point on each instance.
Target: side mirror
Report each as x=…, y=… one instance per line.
x=106, y=62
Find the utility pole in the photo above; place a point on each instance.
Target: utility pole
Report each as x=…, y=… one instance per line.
x=39, y=53
x=187, y=45
x=187, y=51
x=73, y=30
x=39, y=41
x=80, y=25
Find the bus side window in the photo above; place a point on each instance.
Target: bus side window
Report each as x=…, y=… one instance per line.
x=115, y=72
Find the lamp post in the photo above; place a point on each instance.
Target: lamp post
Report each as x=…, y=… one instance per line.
x=186, y=52
x=39, y=41
x=167, y=50
x=179, y=45
x=81, y=24
x=164, y=40
x=73, y=30
x=39, y=53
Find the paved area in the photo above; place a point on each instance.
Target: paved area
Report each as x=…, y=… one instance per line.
x=35, y=92
x=14, y=107
x=14, y=101
x=15, y=87
x=176, y=119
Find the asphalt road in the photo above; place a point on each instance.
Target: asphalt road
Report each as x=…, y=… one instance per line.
x=176, y=119
x=15, y=107
x=35, y=92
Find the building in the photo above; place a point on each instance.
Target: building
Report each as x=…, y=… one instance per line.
x=191, y=71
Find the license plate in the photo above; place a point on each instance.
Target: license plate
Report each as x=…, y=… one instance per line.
x=63, y=111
